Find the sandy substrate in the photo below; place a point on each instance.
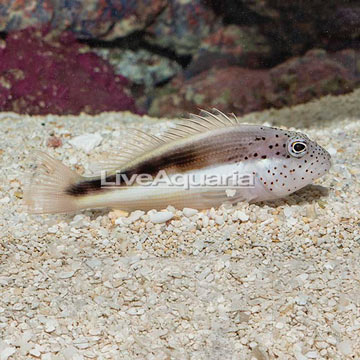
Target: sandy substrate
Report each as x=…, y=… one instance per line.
x=271, y=281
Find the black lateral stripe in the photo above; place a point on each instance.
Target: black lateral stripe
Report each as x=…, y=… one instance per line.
x=87, y=186
x=147, y=167
x=192, y=156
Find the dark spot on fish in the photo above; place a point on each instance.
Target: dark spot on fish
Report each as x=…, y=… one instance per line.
x=270, y=146
x=255, y=155
x=278, y=153
x=231, y=158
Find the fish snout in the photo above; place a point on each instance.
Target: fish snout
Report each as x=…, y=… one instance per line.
x=326, y=157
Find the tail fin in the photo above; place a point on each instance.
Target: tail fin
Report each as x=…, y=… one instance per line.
x=45, y=192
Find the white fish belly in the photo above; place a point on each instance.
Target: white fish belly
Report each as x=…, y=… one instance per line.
x=199, y=189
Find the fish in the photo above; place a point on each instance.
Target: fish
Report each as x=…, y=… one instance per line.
x=271, y=163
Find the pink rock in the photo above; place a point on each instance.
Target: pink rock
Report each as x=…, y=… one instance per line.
x=41, y=73
x=232, y=89
x=240, y=90
x=54, y=142
x=231, y=45
x=317, y=73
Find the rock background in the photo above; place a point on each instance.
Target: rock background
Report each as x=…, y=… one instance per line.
x=178, y=55
x=41, y=73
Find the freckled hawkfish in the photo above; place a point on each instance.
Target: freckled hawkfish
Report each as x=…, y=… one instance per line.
x=277, y=162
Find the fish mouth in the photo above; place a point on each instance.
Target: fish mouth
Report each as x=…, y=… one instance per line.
x=324, y=161
x=324, y=169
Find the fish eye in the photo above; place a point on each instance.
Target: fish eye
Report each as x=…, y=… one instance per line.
x=297, y=148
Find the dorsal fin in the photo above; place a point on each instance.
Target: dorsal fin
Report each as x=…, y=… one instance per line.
x=203, y=122
x=142, y=142
x=138, y=143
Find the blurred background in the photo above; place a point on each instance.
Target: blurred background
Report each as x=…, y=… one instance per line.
x=170, y=57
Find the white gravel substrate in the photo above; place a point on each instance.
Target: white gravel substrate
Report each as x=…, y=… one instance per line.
x=271, y=281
